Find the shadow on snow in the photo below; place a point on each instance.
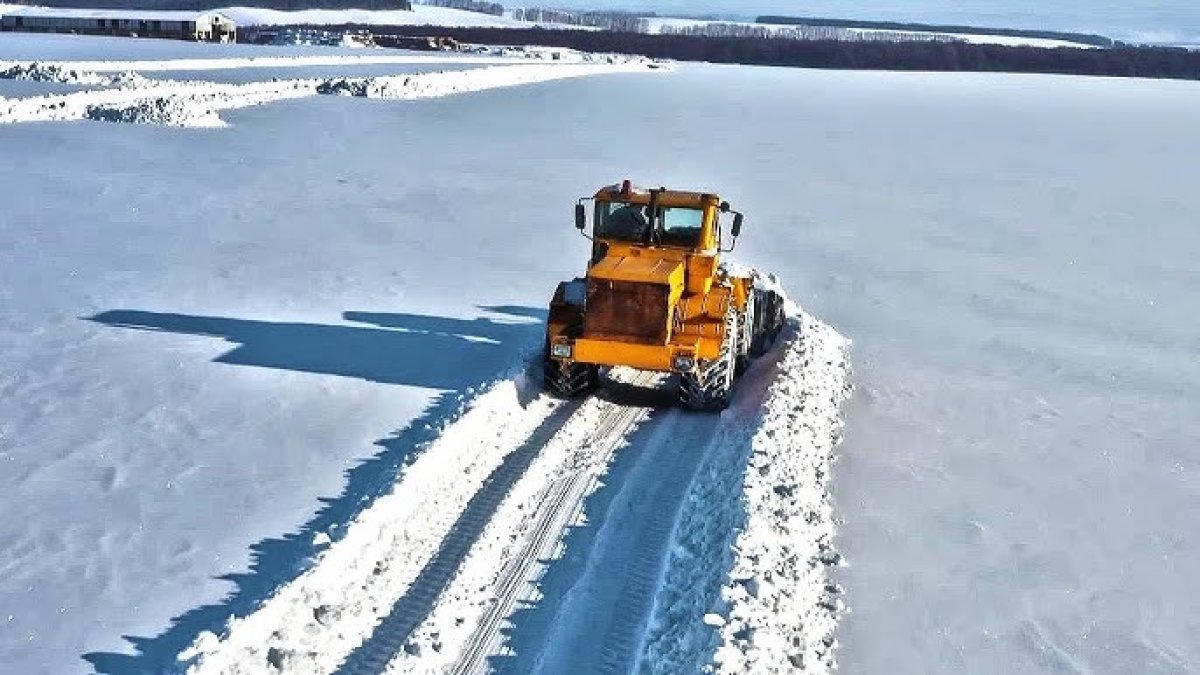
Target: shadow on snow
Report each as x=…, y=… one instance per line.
x=405, y=349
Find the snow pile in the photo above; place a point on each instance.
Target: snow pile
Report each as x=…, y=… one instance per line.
x=35, y=71
x=781, y=606
x=312, y=623
x=746, y=577
x=166, y=110
x=180, y=104
x=196, y=109
x=454, y=82
x=41, y=72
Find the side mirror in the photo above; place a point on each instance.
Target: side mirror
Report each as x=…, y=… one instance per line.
x=724, y=207
x=580, y=217
x=736, y=230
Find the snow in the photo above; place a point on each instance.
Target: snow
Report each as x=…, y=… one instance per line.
x=754, y=543
x=20, y=69
x=91, y=13
x=421, y=15
x=781, y=606
x=196, y=104
x=222, y=346
x=314, y=622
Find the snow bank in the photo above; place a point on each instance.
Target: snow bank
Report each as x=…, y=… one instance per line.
x=85, y=71
x=197, y=108
x=48, y=72
x=181, y=104
x=745, y=588
x=197, y=104
x=781, y=606
x=454, y=82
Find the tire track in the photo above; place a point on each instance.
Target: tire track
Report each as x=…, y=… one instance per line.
x=562, y=503
x=389, y=636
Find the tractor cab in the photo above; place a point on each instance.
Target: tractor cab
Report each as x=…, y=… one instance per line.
x=636, y=217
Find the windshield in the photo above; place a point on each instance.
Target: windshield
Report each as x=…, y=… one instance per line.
x=630, y=222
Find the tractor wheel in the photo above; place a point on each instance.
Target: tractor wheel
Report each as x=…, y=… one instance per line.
x=768, y=322
x=710, y=386
x=567, y=379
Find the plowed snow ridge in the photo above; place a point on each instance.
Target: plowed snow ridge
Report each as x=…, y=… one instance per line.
x=197, y=104
x=712, y=555
x=746, y=588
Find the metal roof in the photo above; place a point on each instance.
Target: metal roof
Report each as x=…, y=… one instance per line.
x=126, y=14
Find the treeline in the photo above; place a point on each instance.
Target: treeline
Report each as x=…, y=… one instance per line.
x=1125, y=61
x=614, y=21
x=741, y=30
x=493, y=8
x=1082, y=38
x=169, y=5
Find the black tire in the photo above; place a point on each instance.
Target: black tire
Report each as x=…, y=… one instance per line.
x=768, y=321
x=567, y=379
x=747, y=332
x=709, y=387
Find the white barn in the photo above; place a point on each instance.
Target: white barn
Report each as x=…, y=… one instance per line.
x=200, y=26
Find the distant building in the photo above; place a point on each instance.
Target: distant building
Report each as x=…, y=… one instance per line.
x=199, y=26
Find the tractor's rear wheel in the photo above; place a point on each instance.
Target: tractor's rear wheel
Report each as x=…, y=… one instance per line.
x=710, y=386
x=567, y=379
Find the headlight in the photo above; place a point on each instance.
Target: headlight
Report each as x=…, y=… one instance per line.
x=560, y=351
x=683, y=362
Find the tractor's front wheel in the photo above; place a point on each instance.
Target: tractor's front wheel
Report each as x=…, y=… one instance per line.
x=567, y=379
x=710, y=386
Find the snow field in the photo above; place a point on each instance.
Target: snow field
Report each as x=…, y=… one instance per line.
x=1015, y=488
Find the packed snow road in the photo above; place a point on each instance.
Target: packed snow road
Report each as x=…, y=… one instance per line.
x=540, y=535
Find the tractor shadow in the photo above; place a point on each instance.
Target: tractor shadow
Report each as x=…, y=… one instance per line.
x=661, y=396
x=438, y=353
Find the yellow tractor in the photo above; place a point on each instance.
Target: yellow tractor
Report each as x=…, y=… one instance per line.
x=657, y=297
